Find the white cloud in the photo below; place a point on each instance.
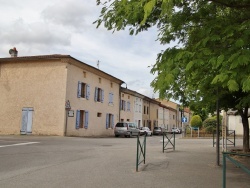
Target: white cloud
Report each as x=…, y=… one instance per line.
x=66, y=27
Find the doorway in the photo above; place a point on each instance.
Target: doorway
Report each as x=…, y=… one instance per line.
x=27, y=114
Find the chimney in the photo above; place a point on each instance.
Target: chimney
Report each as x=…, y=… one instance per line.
x=13, y=52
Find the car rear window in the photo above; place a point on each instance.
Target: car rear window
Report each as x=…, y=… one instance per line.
x=121, y=125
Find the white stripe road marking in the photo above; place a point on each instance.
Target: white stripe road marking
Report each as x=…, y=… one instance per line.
x=19, y=144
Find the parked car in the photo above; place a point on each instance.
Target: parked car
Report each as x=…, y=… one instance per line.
x=176, y=130
x=127, y=129
x=157, y=131
x=145, y=130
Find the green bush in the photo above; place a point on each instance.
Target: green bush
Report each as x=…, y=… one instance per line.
x=211, y=121
x=196, y=121
x=209, y=129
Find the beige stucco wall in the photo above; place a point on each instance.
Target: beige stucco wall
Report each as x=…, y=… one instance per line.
x=153, y=110
x=40, y=85
x=138, y=111
x=97, y=125
x=172, y=119
x=127, y=115
x=145, y=114
x=235, y=124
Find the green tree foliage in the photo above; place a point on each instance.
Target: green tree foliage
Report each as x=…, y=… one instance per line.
x=212, y=57
x=202, y=112
x=196, y=121
x=210, y=124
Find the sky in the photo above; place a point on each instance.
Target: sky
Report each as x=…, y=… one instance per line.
x=44, y=27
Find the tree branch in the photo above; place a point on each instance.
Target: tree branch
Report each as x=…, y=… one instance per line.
x=231, y=5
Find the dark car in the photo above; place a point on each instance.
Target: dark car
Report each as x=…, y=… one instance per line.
x=157, y=131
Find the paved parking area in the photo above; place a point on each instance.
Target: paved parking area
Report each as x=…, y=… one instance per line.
x=31, y=161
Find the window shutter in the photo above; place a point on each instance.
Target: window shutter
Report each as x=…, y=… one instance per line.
x=96, y=93
x=87, y=92
x=128, y=108
x=107, y=121
x=79, y=89
x=86, y=123
x=113, y=123
x=77, y=119
x=120, y=104
x=102, y=95
x=124, y=105
x=110, y=97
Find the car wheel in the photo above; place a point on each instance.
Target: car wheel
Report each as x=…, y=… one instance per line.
x=130, y=134
x=116, y=135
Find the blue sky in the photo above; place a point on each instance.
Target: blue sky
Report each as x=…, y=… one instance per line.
x=41, y=27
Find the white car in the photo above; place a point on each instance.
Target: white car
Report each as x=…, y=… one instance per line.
x=145, y=130
x=175, y=130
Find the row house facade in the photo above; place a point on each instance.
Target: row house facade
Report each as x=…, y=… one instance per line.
x=60, y=95
x=139, y=109
x=57, y=95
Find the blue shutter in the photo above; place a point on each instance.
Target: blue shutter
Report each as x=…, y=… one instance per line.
x=87, y=92
x=102, y=95
x=86, y=123
x=77, y=119
x=124, y=105
x=113, y=123
x=96, y=93
x=107, y=121
x=128, y=106
x=110, y=97
x=79, y=89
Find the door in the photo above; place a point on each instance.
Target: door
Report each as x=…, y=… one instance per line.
x=27, y=114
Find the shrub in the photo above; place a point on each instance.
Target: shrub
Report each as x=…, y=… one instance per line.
x=196, y=121
x=211, y=121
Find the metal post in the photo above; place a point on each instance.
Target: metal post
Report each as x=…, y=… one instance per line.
x=234, y=138
x=217, y=131
x=224, y=170
x=213, y=138
x=163, y=134
x=145, y=148
x=137, y=153
x=174, y=141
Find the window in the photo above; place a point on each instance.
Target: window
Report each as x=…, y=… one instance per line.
x=82, y=119
x=122, y=95
x=173, y=116
x=100, y=80
x=83, y=90
x=123, y=105
x=144, y=111
x=84, y=74
x=111, y=98
x=128, y=106
x=128, y=97
x=109, y=121
x=99, y=114
x=99, y=94
x=128, y=120
x=147, y=109
x=111, y=84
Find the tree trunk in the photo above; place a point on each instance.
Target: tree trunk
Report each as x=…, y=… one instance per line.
x=244, y=116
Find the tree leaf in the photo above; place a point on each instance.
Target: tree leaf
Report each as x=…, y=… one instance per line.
x=232, y=85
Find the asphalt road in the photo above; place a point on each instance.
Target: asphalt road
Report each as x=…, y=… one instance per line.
x=31, y=161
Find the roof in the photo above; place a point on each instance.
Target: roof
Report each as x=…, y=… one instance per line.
x=58, y=57
x=134, y=93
